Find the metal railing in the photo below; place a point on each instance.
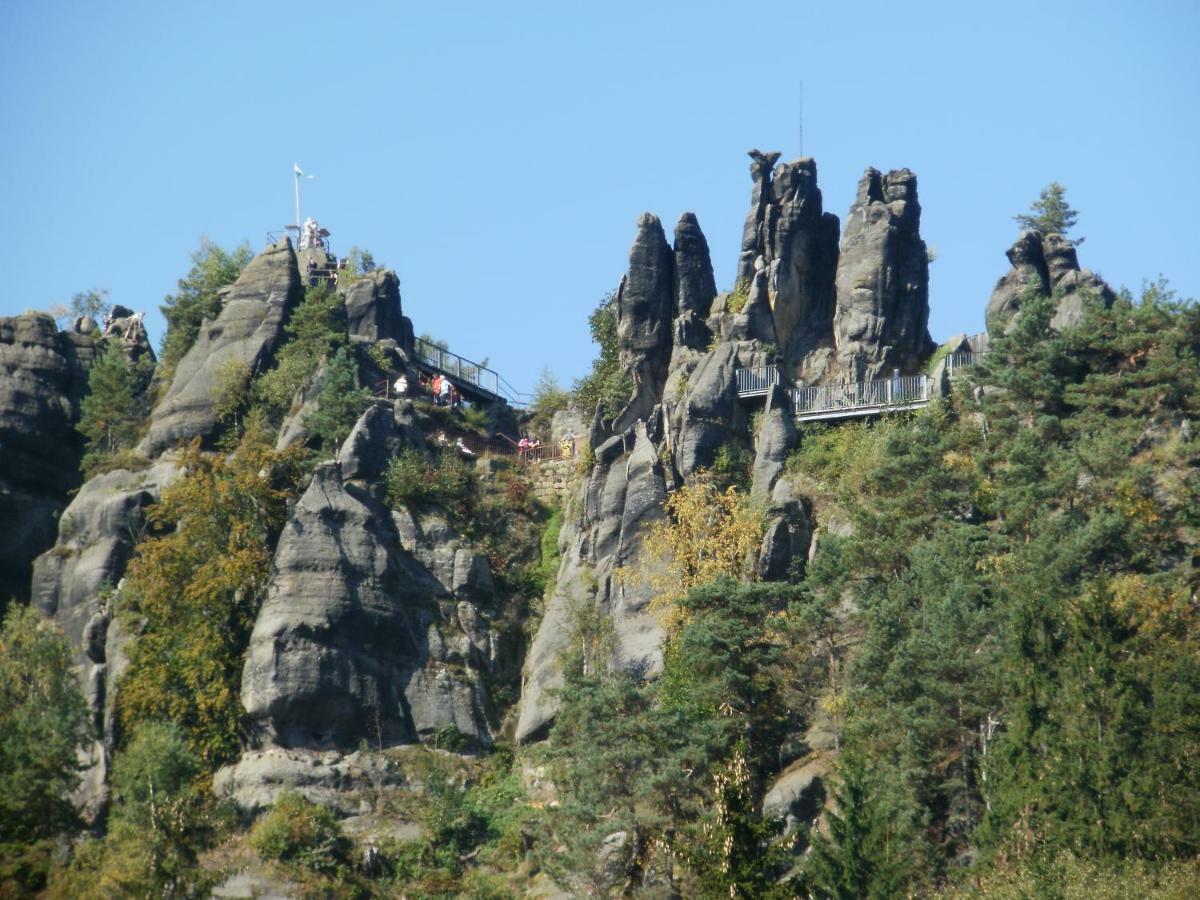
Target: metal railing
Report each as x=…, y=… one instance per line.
x=753, y=382
x=457, y=366
x=833, y=400
x=548, y=452
x=962, y=361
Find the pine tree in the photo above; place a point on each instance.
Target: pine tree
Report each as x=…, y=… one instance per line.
x=861, y=858
x=116, y=405
x=1050, y=213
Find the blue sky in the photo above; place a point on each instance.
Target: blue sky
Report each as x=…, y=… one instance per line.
x=497, y=155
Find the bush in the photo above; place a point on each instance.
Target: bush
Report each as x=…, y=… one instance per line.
x=303, y=833
x=413, y=480
x=42, y=724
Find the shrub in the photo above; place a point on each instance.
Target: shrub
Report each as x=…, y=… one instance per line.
x=413, y=480
x=739, y=296
x=306, y=834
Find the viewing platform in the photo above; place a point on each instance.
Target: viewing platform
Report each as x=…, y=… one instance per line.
x=473, y=380
x=855, y=400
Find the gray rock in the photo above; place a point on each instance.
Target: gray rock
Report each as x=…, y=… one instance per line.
x=645, y=307
x=798, y=795
x=776, y=439
x=335, y=779
x=96, y=536
x=794, y=242
x=43, y=378
x=380, y=433
x=245, y=333
x=622, y=498
x=1042, y=265
x=351, y=641
x=373, y=309
x=695, y=285
x=709, y=414
x=882, y=281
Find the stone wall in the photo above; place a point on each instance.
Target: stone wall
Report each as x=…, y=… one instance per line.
x=554, y=479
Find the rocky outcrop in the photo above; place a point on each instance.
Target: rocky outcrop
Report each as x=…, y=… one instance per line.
x=43, y=378
x=793, y=244
x=622, y=497
x=375, y=624
x=645, y=306
x=244, y=334
x=695, y=286
x=1044, y=265
x=373, y=309
x=775, y=440
x=882, y=281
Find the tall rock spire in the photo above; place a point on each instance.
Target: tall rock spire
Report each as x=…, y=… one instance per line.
x=790, y=249
x=645, y=307
x=882, y=280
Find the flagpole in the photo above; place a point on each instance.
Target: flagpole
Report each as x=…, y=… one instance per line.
x=296, y=179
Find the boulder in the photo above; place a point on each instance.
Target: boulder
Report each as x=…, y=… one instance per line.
x=244, y=334
x=373, y=309
x=882, y=281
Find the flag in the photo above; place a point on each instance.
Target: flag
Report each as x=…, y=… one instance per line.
x=299, y=174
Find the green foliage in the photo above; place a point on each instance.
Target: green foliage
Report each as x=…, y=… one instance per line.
x=159, y=822
x=548, y=398
x=193, y=590
x=863, y=856
x=231, y=389
x=340, y=401
x=93, y=303
x=197, y=297
x=43, y=723
x=413, y=479
x=739, y=296
x=302, y=833
x=731, y=466
x=358, y=263
x=1050, y=213
x=316, y=331
x=1026, y=660
x=678, y=763
x=116, y=406
x=608, y=384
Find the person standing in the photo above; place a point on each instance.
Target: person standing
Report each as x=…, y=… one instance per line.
x=436, y=387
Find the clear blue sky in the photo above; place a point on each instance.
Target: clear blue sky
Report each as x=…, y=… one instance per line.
x=497, y=155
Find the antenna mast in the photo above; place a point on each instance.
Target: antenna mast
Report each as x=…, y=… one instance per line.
x=802, y=118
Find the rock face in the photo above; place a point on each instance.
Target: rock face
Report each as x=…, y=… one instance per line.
x=883, y=281
x=43, y=377
x=645, y=307
x=375, y=621
x=792, y=244
x=373, y=309
x=1044, y=265
x=245, y=333
x=695, y=287
x=622, y=497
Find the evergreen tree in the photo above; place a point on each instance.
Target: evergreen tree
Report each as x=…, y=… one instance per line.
x=1050, y=213
x=116, y=405
x=861, y=858
x=197, y=297
x=608, y=384
x=339, y=401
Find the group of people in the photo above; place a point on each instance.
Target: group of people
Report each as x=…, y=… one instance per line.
x=463, y=449
x=443, y=390
x=527, y=447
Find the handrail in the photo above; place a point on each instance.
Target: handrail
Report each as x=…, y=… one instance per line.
x=458, y=366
